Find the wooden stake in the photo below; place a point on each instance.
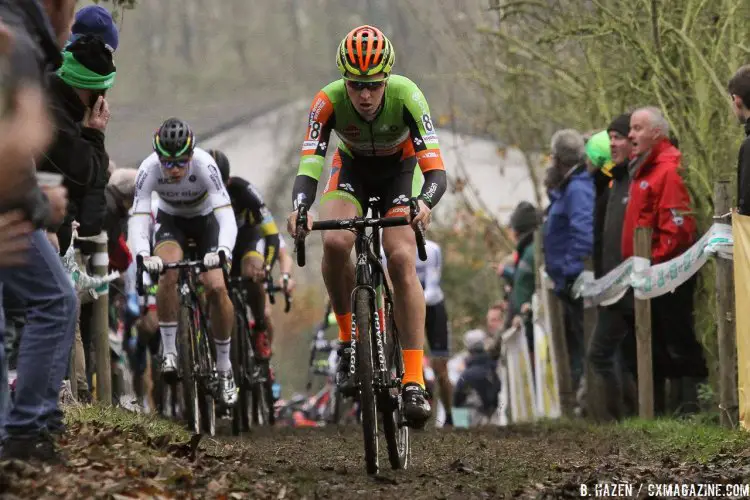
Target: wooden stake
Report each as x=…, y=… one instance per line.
x=725, y=318
x=642, y=242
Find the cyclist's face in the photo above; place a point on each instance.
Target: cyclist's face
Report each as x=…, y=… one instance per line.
x=366, y=95
x=176, y=169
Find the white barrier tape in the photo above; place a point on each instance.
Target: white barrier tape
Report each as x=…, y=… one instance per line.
x=652, y=281
x=100, y=259
x=82, y=281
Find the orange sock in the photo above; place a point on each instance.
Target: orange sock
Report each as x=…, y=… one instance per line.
x=413, y=367
x=345, y=327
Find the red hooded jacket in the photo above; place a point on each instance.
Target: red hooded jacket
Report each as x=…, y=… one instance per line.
x=659, y=199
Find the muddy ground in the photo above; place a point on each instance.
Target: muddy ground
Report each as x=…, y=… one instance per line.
x=113, y=454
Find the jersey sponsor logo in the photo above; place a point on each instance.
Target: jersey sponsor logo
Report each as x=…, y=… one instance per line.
x=187, y=193
x=430, y=139
x=351, y=131
x=418, y=97
x=417, y=141
x=400, y=199
x=192, y=178
x=167, y=180
x=309, y=145
x=430, y=154
x=430, y=192
x=215, y=177
x=310, y=159
x=141, y=179
x=323, y=146
x=400, y=210
x=346, y=187
x=317, y=107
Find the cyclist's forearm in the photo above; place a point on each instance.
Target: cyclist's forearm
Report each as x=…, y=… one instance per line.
x=304, y=190
x=129, y=278
x=139, y=227
x=435, y=184
x=227, y=227
x=272, y=249
x=285, y=261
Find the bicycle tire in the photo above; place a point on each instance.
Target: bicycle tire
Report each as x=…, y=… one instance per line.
x=262, y=395
x=207, y=408
x=363, y=317
x=206, y=402
x=241, y=413
x=191, y=408
x=396, y=435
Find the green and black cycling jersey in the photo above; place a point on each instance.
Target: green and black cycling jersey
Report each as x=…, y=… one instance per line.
x=403, y=130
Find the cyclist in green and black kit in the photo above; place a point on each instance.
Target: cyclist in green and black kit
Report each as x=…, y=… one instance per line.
x=385, y=128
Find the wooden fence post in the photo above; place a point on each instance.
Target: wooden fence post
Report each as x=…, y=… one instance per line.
x=725, y=307
x=642, y=242
x=593, y=396
x=557, y=334
x=100, y=325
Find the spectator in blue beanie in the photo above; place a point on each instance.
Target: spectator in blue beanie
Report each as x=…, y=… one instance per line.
x=96, y=20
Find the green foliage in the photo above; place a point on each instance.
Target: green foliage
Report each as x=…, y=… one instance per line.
x=578, y=63
x=470, y=246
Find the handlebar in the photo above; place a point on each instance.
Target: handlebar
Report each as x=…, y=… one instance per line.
x=271, y=289
x=299, y=242
x=419, y=231
x=358, y=223
x=183, y=264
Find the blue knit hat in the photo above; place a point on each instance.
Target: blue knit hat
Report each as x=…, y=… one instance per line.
x=96, y=20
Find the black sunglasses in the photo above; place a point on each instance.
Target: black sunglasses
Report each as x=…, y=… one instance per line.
x=359, y=86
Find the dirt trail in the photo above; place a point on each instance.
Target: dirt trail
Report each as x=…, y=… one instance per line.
x=115, y=455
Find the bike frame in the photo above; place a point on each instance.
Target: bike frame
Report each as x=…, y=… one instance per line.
x=369, y=275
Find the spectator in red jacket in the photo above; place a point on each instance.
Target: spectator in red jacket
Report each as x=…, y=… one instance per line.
x=658, y=196
x=659, y=199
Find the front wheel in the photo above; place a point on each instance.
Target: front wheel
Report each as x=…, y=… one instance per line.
x=363, y=347
x=396, y=434
x=262, y=392
x=241, y=413
x=186, y=352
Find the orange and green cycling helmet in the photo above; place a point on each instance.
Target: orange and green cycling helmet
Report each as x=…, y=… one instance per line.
x=365, y=51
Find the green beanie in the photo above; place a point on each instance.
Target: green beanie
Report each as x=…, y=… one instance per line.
x=87, y=64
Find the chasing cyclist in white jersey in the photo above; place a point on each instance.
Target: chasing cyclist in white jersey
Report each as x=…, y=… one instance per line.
x=193, y=204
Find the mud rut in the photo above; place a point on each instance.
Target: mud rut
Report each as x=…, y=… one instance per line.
x=526, y=462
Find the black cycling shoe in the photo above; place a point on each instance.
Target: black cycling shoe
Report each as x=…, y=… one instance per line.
x=417, y=409
x=344, y=379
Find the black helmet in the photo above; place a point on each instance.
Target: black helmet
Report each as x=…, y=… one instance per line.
x=222, y=162
x=173, y=139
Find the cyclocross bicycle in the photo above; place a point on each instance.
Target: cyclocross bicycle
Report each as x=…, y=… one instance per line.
x=195, y=346
x=377, y=361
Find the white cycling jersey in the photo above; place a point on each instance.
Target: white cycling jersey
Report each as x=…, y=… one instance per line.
x=198, y=194
x=429, y=272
